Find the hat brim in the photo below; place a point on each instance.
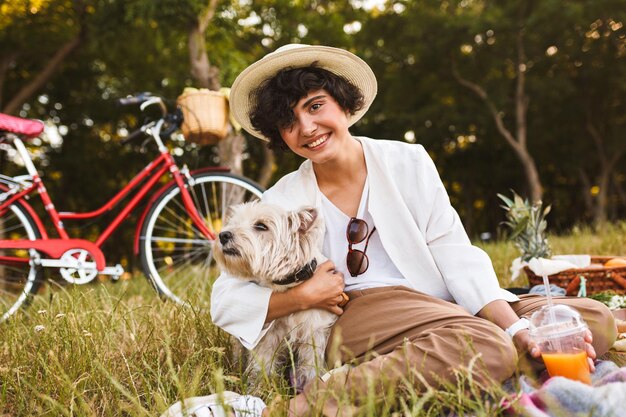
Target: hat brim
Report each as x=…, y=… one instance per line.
x=338, y=61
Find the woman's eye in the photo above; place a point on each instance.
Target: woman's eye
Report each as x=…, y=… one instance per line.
x=260, y=226
x=316, y=106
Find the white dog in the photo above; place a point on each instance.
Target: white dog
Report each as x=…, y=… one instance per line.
x=278, y=249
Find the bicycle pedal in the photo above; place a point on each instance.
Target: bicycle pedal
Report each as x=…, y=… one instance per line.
x=115, y=272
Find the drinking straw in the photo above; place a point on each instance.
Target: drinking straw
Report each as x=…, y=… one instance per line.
x=546, y=284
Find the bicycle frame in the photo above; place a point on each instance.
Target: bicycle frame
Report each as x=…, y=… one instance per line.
x=151, y=174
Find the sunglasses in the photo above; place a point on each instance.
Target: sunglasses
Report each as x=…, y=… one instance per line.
x=356, y=232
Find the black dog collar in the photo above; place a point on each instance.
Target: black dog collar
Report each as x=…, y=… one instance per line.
x=302, y=274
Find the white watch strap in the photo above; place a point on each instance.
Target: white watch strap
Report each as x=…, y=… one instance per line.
x=521, y=324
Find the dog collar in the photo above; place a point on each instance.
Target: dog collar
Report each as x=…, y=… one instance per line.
x=300, y=275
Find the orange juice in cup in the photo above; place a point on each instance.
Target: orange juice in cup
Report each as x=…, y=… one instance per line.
x=569, y=365
x=559, y=331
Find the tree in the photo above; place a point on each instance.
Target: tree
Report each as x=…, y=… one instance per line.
x=516, y=137
x=598, y=72
x=503, y=55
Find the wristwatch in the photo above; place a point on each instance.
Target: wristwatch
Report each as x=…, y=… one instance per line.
x=521, y=324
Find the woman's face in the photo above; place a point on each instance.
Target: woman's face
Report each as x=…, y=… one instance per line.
x=319, y=128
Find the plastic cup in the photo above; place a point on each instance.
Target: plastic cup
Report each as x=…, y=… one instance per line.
x=559, y=331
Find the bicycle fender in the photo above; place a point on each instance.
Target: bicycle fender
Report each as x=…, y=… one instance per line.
x=158, y=194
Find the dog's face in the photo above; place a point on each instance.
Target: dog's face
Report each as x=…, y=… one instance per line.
x=265, y=243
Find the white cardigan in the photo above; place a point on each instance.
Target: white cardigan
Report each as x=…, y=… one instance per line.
x=418, y=227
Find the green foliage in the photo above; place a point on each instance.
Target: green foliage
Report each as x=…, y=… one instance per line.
x=171, y=14
x=528, y=226
x=611, y=299
x=575, y=73
x=413, y=51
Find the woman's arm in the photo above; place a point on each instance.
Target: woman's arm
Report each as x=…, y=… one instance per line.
x=322, y=291
x=239, y=307
x=500, y=313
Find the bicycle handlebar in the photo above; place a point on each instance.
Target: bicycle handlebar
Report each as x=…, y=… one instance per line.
x=136, y=99
x=165, y=126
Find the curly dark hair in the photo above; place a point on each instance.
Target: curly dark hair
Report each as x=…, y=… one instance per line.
x=276, y=97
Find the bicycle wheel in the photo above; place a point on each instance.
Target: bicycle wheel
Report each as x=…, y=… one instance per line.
x=175, y=256
x=19, y=279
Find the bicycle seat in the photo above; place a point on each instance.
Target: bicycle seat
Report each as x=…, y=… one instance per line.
x=23, y=127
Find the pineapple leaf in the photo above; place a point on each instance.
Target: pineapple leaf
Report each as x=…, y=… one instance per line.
x=547, y=210
x=507, y=201
x=528, y=225
x=519, y=228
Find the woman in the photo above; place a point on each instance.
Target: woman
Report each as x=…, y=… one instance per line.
x=423, y=300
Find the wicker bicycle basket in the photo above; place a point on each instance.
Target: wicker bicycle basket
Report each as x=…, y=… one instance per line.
x=205, y=116
x=597, y=278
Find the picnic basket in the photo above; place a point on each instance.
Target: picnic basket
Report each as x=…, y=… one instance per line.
x=597, y=278
x=205, y=114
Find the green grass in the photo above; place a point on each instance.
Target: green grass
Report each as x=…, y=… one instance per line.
x=115, y=349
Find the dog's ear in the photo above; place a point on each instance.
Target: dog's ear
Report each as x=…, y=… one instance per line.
x=303, y=218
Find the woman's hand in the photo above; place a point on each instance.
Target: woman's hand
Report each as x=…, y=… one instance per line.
x=523, y=342
x=323, y=290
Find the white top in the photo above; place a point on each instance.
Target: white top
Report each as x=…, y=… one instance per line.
x=381, y=271
x=417, y=226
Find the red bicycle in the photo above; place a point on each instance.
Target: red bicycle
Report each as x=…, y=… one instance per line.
x=173, y=237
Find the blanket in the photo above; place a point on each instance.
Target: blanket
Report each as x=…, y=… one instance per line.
x=558, y=396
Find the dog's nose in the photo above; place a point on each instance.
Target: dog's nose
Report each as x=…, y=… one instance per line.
x=225, y=237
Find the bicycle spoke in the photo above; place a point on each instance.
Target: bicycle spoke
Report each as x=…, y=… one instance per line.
x=175, y=255
x=187, y=255
x=182, y=217
x=182, y=264
x=202, y=242
x=18, y=280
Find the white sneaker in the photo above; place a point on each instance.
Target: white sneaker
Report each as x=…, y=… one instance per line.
x=213, y=406
x=248, y=406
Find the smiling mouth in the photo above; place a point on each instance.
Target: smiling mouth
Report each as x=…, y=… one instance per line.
x=317, y=142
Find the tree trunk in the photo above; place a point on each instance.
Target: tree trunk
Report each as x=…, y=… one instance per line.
x=230, y=152
x=519, y=141
x=532, y=175
x=205, y=75
x=607, y=165
x=230, y=149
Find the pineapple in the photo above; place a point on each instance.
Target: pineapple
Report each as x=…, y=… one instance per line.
x=528, y=226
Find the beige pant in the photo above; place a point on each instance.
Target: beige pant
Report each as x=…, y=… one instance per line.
x=393, y=334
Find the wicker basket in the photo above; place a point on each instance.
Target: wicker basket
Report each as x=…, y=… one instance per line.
x=597, y=278
x=205, y=116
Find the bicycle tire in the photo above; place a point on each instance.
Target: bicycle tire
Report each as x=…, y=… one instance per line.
x=18, y=282
x=175, y=257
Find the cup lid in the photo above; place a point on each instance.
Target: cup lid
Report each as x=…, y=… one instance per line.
x=558, y=320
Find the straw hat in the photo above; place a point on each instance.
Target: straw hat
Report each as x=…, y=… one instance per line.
x=335, y=60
